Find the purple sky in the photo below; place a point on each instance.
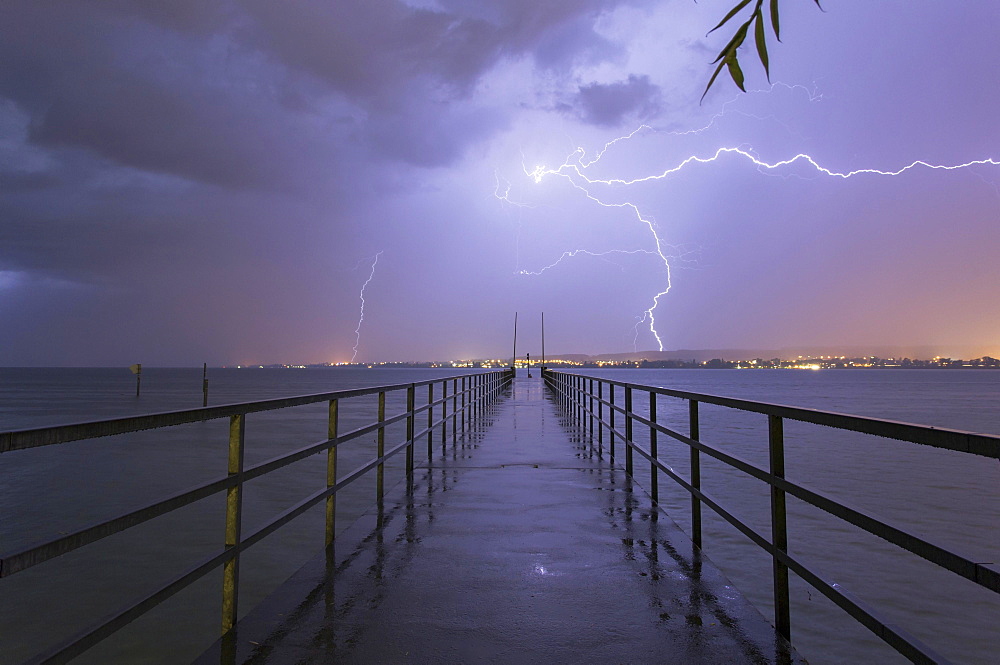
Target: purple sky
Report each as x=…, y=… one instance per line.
x=194, y=181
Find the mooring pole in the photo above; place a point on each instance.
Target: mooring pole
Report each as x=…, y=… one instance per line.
x=513, y=359
x=204, y=384
x=137, y=370
x=543, y=341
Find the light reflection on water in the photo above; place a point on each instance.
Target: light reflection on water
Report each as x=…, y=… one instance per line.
x=952, y=498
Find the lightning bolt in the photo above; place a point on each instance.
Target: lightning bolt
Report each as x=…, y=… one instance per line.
x=361, y=319
x=574, y=167
x=575, y=252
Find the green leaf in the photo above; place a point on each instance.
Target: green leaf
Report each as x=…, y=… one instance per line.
x=735, y=71
x=712, y=80
x=761, y=44
x=774, y=19
x=734, y=43
x=732, y=12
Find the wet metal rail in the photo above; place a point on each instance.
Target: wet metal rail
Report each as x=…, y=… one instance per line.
x=524, y=545
x=604, y=407
x=460, y=406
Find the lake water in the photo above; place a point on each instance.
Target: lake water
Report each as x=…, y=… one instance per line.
x=952, y=499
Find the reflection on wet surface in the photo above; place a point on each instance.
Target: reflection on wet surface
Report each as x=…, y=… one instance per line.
x=520, y=542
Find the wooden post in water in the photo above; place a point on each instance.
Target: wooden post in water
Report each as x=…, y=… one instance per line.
x=204, y=384
x=137, y=370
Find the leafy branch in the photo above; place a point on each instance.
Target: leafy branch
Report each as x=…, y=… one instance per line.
x=728, y=56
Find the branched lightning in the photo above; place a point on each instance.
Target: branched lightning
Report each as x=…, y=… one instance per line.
x=574, y=168
x=361, y=319
x=575, y=252
x=540, y=172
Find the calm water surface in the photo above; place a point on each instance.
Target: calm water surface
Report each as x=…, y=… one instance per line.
x=952, y=499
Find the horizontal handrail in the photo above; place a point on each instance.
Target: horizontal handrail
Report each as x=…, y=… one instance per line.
x=899, y=639
x=975, y=443
x=477, y=390
x=586, y=407
x=55, y=434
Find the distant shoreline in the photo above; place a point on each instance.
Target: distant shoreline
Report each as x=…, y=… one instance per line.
x=985, y=362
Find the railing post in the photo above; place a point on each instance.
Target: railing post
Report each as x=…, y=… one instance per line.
x=570, y=406
x=331, y=472
x=454, y=411
x=779, y=531
x=463, y=407
x=695, y=473
x=654, y=485
x=411, y=399
x=477, y=386
x=600, y=416
x=234, y=520
x=430, y=421
x=574, y=383
x=611, y=413
x=628, y=430
x=444, y=414
x=380, y=439
x=590, y=393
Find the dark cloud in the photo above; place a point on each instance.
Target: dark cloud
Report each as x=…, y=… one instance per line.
x=229, y=94
x=610, y=104
x=369, y=49
x=216, y=168
x=83, y=85
x=18, y=181
x=193, y=133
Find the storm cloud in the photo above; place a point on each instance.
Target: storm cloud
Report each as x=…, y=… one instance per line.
x=222, y=167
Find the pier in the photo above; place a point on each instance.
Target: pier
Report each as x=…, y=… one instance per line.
x=523, y=525
x=521, y=545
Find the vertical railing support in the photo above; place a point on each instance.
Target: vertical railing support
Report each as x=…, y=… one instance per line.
x=234, y=520
x=331, y=472
x=779, y=529
x=454, y=411
x=411, y=399
x=430, y=421
x=654, y=485
x=693, y=432
x=463, y=407
x=611, y=412
x=628, y=430
x=380, y=442
x=600, y=416
x=473, y=402
x=444, y=414
x=590, y=393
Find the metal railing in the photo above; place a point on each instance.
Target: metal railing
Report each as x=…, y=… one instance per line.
x=577, y=397
x=468, y=398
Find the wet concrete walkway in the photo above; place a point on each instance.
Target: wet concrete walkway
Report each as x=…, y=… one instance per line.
x=520, y=545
